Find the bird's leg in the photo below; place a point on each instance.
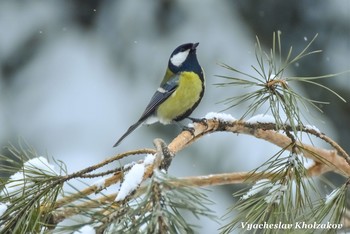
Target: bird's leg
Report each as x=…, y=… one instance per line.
x=185, y=128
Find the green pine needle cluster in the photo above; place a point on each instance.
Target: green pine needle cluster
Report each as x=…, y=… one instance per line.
x=273, y=87
x=284, y=198
x=159, y=206
x=162, y=208
x=333, y=206
x=27, y=193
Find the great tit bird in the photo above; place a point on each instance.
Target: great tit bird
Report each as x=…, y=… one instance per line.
x=178, y=94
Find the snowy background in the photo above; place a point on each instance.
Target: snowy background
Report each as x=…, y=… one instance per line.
x=76, y=74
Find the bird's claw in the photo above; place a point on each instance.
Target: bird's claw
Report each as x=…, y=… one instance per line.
x=199, y=120
x=188, y=129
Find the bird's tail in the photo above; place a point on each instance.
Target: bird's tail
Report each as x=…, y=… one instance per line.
x=130, y=130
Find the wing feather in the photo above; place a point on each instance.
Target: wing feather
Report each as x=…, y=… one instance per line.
x=163, y=92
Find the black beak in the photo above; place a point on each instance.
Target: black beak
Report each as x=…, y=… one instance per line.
x=194, y=45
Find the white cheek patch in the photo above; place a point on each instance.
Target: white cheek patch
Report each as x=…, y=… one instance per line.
x=179, y=58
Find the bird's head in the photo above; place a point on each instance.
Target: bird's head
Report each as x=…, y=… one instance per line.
x=184, y=58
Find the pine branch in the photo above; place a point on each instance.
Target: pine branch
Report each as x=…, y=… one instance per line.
x=335, y=160
x=239, y=177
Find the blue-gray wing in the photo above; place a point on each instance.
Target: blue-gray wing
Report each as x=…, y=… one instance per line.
x=162, y=93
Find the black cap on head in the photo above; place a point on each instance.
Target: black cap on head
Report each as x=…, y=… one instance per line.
x=184, y=47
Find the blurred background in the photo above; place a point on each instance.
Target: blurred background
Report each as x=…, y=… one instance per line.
x=75, y=74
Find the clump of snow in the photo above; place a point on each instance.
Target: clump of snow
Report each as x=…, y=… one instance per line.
x=257, y=187
x=307, y=162
x=190, y=125
x=3, y=208
x=131, y=181
x=40, y=164
x=87, y=229
x=219, y=116
x=275, y=193
x=31, y=170
x=261, y=118
x=149, y=159
x=293, y=160
x=133, y=177
x=128, y=165
x=312, y=127
x=330, y=197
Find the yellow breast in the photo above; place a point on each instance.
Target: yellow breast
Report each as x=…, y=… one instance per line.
x=185, y=97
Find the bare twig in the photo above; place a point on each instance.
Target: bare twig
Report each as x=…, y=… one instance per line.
x=89, y=190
